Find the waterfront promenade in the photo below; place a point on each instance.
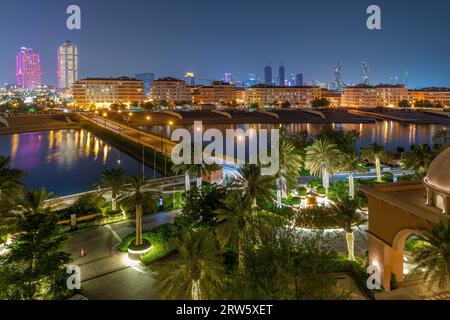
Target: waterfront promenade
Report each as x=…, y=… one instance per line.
x=34, y=123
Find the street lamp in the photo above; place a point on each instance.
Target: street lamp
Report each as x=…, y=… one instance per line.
x=105, y=115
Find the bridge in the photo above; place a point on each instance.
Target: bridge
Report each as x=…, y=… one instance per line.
x=164, y=186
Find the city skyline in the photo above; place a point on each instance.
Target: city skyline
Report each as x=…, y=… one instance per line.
x=309, y=46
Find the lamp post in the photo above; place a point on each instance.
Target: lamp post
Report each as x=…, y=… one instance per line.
x=105, y=115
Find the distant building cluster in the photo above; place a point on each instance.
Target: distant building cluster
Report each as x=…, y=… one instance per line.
x=285, y=90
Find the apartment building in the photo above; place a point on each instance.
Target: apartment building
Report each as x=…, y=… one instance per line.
x=298, y=96
x=102, y=92
x=374, y=96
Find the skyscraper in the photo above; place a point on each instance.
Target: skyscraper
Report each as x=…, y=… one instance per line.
x=28, y=69
x=147, y=78
x=281, y=76
x=268, y=75
x=227, y=77
x=299, y=79
x=67, y=65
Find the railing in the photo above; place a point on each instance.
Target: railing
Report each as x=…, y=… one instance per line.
x=154, y=184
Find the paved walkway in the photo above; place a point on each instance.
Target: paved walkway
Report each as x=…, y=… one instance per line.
x=104, y=267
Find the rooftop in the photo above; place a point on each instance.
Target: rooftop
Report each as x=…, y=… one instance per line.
x=409, y=196
x=381, y=85
x=110, y=79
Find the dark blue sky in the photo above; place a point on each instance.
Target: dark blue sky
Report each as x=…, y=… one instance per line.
x=210, y=37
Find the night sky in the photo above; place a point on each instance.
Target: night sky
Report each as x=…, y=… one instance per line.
x=210, y=37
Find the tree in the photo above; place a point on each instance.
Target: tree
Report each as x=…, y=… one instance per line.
x=347, y=217
x=418, y=160
x=200, y=204
x=255, y=186
x=197, y=170
x=432, y=259
x=323, y=159
x=233, y=220
x=290, y=164
x=404, y=104
x=375, y=153
x=442, y=135
x=11, y=188
x=320, y=103
x=354, y=136
x=35, y=266
x=113, y=179
x=136, y=194
x=352, y=165
x=198, y=273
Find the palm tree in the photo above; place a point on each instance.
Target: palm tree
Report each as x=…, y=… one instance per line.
x=323, y=159
x=290, y=163
x=354, y=136
x=34, y=201
x=375, y=153
x=11, y=188
x=352, y=165
x=233, y=219
x=196, y=170
x=254, y=185
x=418, y=160
x=113, y=179
x=347, y=217
x=443, y=135
x=197, y=274
x=136, y=194
x=433, y=258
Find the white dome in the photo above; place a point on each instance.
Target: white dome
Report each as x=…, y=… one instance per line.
x=438, y=176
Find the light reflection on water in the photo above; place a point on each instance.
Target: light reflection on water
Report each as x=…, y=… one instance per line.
x=65, y=161
x=391, y=134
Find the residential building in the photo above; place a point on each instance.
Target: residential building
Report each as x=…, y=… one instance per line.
x=102, y=92
x=383, y=95
x=217, y=93
x=274, y=95
x=333, y=96
x=432, y=94
x=170, y=90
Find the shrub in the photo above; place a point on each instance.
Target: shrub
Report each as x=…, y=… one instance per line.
x=159, y=239
x=321, y=190
x=394, y=282
x=173, y=201
x=86, y=204
x=302, y=191
x=314, y=183
x=315, y=217
x=388, y=177
x=357, y=270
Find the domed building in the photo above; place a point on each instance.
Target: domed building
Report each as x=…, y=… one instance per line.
x=437, y=182
x=397, y=212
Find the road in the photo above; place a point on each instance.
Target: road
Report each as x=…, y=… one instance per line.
x=161, y=144
x=105, y=272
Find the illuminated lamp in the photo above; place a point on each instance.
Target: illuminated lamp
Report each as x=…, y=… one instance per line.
x=135, y=252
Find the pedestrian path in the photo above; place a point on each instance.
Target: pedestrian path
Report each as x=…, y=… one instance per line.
x=103, y=266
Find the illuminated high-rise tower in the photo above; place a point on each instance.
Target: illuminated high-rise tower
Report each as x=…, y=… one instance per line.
x=268, y=75
x=28, y=69
x=228, y=77
x=281, y=76
x=67, y=65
